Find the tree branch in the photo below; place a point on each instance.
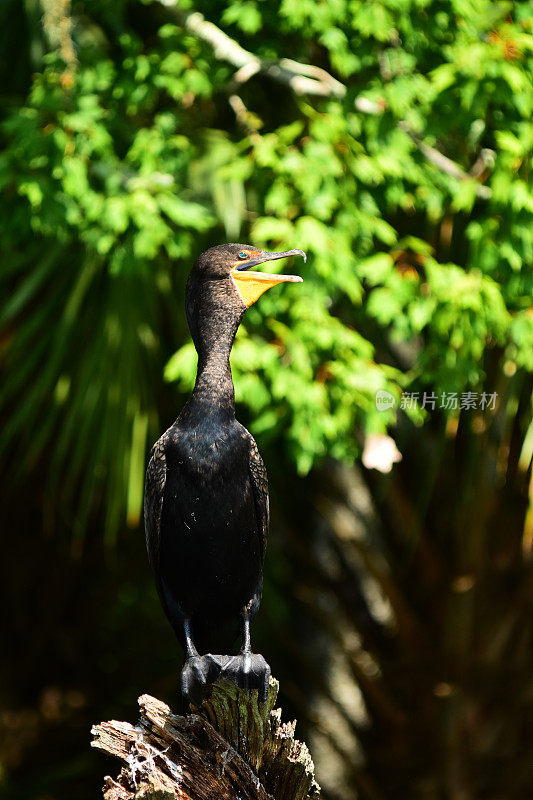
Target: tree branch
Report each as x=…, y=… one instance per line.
x=304, y=79
x=444, y=163
x=231, y=747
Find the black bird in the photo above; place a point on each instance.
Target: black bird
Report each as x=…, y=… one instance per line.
x=206, y=491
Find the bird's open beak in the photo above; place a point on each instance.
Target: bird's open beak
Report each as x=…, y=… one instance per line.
x=251, y=285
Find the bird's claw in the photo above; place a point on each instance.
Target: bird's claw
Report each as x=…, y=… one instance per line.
x=248, y=671
x=198, y=672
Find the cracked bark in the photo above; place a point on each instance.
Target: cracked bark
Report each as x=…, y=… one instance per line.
x=232, y=747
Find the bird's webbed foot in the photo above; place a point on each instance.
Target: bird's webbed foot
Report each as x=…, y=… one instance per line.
x=248, y=671
x=198, y=672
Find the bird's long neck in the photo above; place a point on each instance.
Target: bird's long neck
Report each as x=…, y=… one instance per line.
x=213, y=327
x=214, y=383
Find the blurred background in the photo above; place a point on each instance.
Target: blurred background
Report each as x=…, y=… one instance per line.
x=390, y=393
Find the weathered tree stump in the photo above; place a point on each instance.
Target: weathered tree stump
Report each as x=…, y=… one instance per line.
x=231, y=748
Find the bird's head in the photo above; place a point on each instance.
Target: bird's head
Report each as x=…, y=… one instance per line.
x=222, y=286
x=232, y=263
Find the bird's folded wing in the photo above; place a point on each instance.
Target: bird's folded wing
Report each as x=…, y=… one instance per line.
x=259, y=481
x=154, y=490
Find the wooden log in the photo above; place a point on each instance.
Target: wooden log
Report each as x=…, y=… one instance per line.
x=232, y=747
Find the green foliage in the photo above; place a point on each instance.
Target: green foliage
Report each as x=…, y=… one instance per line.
x=121, y=165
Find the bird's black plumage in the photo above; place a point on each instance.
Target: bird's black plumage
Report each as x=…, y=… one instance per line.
x=206, y=492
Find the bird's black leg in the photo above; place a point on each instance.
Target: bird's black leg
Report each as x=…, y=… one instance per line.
x=248, y=670
x=198, y=671
x=246, y=650
x=189, y=644
x=246, y=642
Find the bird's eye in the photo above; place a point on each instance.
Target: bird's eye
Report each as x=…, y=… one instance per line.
x=242, y=254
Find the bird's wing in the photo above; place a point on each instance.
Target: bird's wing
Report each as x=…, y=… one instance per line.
x=154, y=490
x=259, y=481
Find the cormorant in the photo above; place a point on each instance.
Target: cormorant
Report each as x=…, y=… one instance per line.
x=206, y=490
